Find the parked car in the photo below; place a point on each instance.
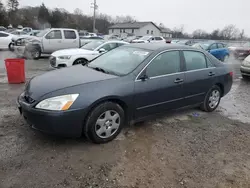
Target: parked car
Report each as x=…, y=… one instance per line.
x=241, y=51
x=146, y=39
x=187, y=42
x=127, y=84
x=218, y=50
x=88, y=39
x=46, y=42
x=2, y=28
x=69, y=57
x=245, y=68
x=5, y=40
x=131, y=38
x=174, y=41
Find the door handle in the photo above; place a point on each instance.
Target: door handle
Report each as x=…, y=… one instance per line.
x=178, y=80
x=211, y=74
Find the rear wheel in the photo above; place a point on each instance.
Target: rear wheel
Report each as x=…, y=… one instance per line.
x=212, y=99
x=104, y=122
x=80, y=61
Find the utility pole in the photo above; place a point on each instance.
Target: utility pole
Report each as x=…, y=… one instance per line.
x=95, y=7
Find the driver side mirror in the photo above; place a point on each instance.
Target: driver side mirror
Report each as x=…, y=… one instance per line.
x=102, y=50
x=143, y=77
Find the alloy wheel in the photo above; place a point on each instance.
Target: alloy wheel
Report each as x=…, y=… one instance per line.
x=214, y=99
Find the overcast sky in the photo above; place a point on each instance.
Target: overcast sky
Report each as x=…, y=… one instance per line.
x=193, y=14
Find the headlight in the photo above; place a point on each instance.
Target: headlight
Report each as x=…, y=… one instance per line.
x=64, y=57
x=246, y=63
x=59, y=103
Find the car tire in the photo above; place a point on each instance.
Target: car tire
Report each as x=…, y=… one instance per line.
x=245, y=77
x=225, y=58
x=11, y=47
x=104, y=122
x=36, y=54
x=212, y=99
x=80, y=61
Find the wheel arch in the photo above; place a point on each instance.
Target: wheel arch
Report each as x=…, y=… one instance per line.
x=221, y=87
x=77, y=58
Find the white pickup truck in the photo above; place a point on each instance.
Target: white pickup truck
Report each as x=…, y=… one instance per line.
x=46, y=42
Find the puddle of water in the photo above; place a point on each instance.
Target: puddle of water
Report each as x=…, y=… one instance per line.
x=234, y=105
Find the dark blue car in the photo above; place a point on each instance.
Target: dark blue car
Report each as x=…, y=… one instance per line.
x=217, y=49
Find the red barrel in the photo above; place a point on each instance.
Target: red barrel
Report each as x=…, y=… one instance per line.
x=15, y=70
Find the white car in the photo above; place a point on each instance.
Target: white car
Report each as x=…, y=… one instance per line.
x=69, y=57
x=5, y=40
x=147, y=39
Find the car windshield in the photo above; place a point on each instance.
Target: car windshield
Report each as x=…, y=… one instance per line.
x=182, y=41
x=120, y=61
x=203, y=46
x=92, y=45
x=42, y=33
x=145, y=38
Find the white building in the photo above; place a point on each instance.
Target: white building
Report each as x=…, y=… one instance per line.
x=138, y=29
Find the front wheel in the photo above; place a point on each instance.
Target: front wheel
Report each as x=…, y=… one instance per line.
x=80, y=61
x=246, y=77
x=104, y=123
x=11, y=47
x=212, y=99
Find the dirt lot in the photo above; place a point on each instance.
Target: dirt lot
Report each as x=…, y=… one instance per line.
x=187, y=148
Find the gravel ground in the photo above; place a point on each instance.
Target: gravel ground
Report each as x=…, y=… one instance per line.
x=188, y=148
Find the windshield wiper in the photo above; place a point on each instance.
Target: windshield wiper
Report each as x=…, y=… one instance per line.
x=100, y=69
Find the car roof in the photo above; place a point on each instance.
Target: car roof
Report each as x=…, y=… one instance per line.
x=159, y=46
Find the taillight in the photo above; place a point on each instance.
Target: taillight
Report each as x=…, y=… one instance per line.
x=231, y=74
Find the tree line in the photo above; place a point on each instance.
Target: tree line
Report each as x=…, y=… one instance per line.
x=41, y=17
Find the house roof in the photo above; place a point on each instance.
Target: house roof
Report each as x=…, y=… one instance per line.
x=132, y=25
x=165, y=30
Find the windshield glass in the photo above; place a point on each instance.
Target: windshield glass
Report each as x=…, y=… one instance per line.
x=145, y=38
x=182, y=41
x=247, y=44
x=92, y=45
x=42, y=33
x=203, y=46
x=120, y=61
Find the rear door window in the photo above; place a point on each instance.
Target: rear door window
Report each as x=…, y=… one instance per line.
x=3, y=35
x=69, y=34
x=194, y=60
x=220, y=45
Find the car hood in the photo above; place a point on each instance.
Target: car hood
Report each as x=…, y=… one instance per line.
x=63, y=78
x=73, y=51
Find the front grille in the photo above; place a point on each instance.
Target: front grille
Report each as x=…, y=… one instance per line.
x=20, y=42
x=53, y=61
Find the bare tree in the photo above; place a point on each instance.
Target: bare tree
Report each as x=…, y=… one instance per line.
x=124, y=19
x=242, y=34
x=230, y=32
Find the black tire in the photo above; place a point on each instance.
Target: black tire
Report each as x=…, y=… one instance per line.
x=36, y=54
x=205, y=105
x=80, y=61
x=89, y=128
x=11, y=47
x=245, y=77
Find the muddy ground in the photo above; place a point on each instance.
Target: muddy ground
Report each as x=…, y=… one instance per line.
x=187, y=148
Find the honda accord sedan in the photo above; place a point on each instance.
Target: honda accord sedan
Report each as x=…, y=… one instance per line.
x=125, y=85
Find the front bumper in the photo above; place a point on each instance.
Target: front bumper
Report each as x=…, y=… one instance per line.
x=58, y=63
x=241, y=54
x=245, y=70
x=66, y=124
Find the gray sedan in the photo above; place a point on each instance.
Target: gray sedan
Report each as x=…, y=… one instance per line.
x=127, y=84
